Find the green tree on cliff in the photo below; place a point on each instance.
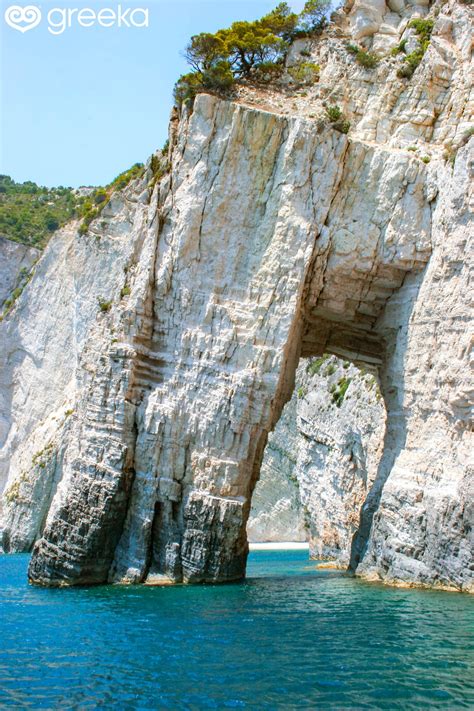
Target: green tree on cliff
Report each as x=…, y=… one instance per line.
x=281, y=21
x=235, y=53
x=204, y=50
x=314, y=15
x=250, y=43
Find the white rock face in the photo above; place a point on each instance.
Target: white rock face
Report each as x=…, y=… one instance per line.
x=342, y=427
x=277, y=513
x=429, y=112
x=366, y=18
x=16, y=261
x=42, y=340
x=321, y=461
x=422, y=531
x=273, y=237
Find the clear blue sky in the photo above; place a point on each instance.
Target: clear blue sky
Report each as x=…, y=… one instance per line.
x=80, y=107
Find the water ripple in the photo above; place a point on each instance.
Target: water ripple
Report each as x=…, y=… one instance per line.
x=289, y=637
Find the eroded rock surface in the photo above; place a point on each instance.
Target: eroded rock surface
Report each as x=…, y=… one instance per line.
x=42, y=341
x=273, y=236
x=277, y=513
x=16, y=261
x=321, y=461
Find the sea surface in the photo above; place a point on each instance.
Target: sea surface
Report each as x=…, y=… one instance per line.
x=289, y=637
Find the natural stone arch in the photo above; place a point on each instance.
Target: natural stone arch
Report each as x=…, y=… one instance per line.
x=372, y=351
x=265, y=249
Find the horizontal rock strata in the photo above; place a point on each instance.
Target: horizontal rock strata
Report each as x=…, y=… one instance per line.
x=169, y=345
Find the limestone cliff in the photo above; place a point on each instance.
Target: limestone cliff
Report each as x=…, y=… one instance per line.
x=277, y=513
x=321, y=460
x=42, y=340
x=16, y=262
x=273, y=236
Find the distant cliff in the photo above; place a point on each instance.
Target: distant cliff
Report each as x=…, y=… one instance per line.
x=148, y=359
x=16, y=261
x=321, y=460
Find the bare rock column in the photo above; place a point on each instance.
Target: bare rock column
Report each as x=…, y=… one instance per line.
x=237, y=233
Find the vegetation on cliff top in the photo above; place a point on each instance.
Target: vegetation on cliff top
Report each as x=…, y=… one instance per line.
x=93, y=204
x=246, y=49
x=30, y=213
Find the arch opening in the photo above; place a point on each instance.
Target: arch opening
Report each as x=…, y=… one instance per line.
x=321, y=461
x=344, y=425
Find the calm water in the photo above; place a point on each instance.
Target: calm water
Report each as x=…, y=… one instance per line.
x=289, y=637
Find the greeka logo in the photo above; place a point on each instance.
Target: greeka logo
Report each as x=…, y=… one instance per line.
x=23, y=18
x=61, y=19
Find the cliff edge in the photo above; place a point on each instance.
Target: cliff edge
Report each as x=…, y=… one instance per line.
x=133, y=427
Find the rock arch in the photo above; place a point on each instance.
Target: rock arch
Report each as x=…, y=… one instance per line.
x=274, y=240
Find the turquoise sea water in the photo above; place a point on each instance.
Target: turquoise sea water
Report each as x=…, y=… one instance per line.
x=289, y=637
